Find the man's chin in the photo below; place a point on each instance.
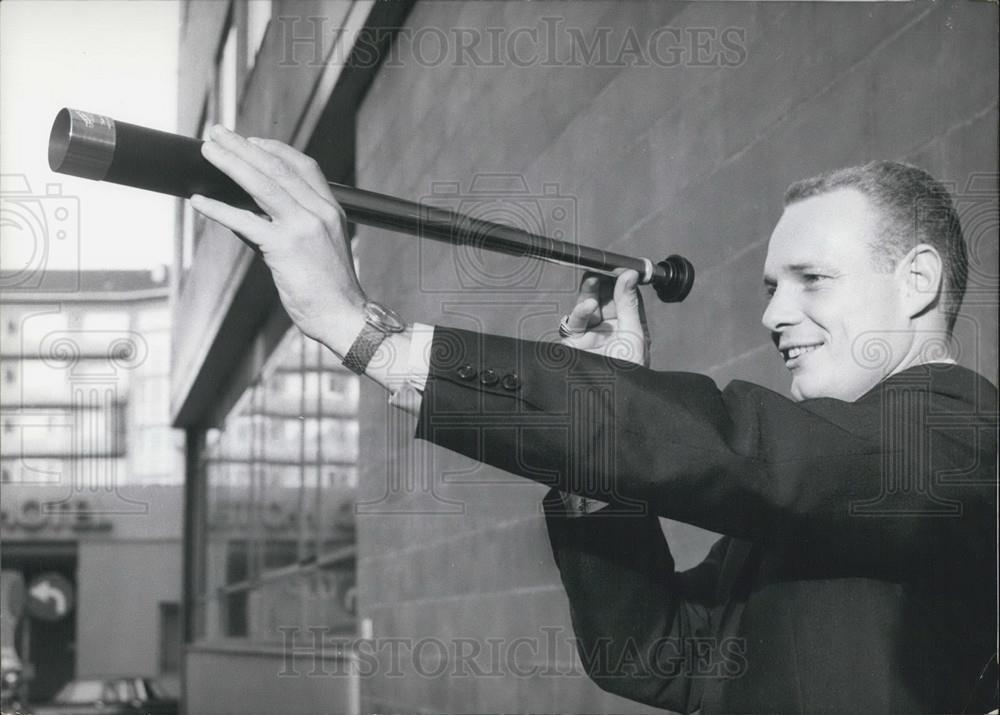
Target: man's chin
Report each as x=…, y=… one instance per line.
x=812, y=387
x=804, y=388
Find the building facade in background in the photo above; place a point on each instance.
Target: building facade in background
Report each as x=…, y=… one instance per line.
x=271, y=416
x=331, y=562
x=92, y=472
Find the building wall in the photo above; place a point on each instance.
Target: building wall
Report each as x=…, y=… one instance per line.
x=85, y=433
x=85, y=385
x=652, y=160
x=249, y=581
x=124, y=576
x=118, y=629
x=221, y=681
x=272, y=98
x=127, y=551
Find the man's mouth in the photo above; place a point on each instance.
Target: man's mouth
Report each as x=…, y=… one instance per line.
x=792, y=354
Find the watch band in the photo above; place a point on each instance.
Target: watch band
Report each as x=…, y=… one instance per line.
x=363, y=349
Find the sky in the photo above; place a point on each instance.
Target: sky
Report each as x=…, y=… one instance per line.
x=112, y=57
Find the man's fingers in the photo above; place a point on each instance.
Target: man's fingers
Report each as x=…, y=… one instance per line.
x=628, y=303
x=583, y=315
x=267, y=192
x=277, y=186
x=590, y=287
x=307, y=167
x=245, y=224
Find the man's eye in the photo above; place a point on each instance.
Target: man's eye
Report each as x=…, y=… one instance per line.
x=813, y=278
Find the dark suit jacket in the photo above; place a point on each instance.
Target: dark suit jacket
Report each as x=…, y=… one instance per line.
x=858, y=570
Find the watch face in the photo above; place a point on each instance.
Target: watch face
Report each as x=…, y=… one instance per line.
x=383, y=318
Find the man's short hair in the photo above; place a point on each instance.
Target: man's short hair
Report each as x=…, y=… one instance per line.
x=915, y=207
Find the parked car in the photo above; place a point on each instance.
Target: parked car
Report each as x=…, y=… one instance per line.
x=110, y=695
x=12, y=684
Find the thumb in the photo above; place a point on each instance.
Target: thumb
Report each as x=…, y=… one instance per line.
x=583, y=315
x=628, y=305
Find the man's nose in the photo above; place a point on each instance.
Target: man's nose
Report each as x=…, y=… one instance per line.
x=781, y=311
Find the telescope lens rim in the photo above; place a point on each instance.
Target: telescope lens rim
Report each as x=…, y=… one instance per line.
x=82, y=144
x=59, y=139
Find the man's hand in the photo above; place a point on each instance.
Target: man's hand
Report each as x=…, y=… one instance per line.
x=303, y=237
x=610, y=322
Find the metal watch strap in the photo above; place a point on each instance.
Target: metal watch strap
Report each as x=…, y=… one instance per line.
x=363, y=349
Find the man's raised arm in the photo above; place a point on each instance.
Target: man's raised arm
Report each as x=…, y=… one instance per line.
x=744, y=461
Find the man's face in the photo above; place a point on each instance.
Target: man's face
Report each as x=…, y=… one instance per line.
x=838, y=323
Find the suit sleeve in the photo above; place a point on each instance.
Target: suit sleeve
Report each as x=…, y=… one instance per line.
x=844, y=484
x=638, y=622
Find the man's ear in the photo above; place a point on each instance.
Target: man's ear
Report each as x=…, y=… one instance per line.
x=920, y=273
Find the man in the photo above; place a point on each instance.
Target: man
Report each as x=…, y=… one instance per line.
x=857, y=570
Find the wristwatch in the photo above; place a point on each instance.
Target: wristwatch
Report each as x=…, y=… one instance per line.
x=380, y=322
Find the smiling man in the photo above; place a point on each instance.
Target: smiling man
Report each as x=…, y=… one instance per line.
x=856, y=572
x=865, y=258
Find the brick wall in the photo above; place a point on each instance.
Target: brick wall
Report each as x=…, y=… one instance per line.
x=650, y=161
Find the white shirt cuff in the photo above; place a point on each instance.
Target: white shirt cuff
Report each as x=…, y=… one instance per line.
x=418, y=364
x=418, y=368
x=580, y=506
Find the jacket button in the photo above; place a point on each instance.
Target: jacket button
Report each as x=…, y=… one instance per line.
x=489, y=377
x=510, y=382
x=467, y=372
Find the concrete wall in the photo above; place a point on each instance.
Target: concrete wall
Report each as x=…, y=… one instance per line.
x=118, y=627
x=653, y=160
x=122, y=579
x=239, y=682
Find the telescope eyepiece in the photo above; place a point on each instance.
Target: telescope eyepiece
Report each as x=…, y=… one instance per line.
x=677, y=281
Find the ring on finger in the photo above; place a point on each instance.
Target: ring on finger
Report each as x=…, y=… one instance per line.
x=565, y=331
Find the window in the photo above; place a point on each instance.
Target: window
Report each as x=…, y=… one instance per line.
x=105, y=321
x=193, y=224
x=226, y=81
x=44, y=326
x=258, y=18
x=280, y=479
x=170, y=638
x=220, y=108
x=236, y=615
x=122, y=690
x=187, y=234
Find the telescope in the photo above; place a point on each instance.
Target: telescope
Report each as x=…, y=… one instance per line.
x=96, y=147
